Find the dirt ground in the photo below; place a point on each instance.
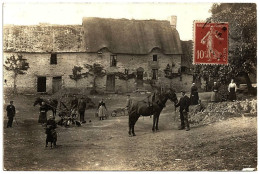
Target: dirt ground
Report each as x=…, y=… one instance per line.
x=226, y=145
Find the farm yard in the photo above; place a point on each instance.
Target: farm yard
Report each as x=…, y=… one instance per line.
x=217, y=141
x=97, y=57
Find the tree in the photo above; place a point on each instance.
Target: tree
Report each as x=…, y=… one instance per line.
x=125, y=76
x=76, y=74
x=242, y=41
x=96, y=71
x=18, y=66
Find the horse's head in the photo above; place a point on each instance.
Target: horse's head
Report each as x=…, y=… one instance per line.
x=37, y=101
x=172, y=96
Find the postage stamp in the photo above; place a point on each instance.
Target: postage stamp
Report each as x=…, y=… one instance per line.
x=210, y=43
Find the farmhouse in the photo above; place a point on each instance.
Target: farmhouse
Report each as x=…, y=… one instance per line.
x=150, y=50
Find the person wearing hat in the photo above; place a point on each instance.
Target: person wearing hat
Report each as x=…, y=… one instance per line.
x=81, y=108
x=10, y=109
x=184, y=104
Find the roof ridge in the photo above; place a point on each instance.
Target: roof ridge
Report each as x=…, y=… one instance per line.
x=124, y=19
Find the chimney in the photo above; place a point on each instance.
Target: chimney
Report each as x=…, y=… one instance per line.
x=173, y=21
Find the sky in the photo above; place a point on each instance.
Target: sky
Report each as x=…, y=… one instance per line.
x=72, y=13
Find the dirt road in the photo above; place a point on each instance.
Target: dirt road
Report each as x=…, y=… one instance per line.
x=105, y=145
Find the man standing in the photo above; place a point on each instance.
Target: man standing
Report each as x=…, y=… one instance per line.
x=184, y=104
x=128, y=103
x=74, y=103
x=82, y=107
x=10, y=114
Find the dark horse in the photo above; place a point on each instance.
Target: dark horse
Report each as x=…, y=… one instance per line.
x=51, y=104
x=142, y=108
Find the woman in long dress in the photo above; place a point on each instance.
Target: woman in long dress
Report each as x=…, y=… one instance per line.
x=102, y=110
x=232, y=88
x=215, y=95
x=43, y=113
x=194, y=96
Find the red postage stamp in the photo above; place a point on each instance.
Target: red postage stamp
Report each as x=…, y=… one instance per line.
x=210, y=43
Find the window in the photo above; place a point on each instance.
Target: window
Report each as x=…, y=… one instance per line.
x=155, y=57
x=154, y=74
x=53, y=59
x=113, y=60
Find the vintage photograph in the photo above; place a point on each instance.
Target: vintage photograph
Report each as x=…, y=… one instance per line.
x=129, y=86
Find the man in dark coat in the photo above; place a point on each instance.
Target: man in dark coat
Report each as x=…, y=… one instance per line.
x=10, y=114
x=184, y=104
x=82, y=107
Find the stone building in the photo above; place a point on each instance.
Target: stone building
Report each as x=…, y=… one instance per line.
x=149, y=49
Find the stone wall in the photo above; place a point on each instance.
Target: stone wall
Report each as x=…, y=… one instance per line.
x=39, y=64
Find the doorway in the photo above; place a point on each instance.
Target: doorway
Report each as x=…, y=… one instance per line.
x=110, y=82
x=139, y=77
x=56, y=84
x=41, y=84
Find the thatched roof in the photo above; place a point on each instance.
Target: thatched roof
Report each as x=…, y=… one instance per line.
x=43, y=38
x=130, y=36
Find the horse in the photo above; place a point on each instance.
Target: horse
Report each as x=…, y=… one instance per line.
x=142, y=108
x=50, y=103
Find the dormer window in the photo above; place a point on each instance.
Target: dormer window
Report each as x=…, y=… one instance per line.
x=53, y=59
x=155, y=57
x=113, y=60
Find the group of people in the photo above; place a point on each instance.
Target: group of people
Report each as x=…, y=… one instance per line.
x=216, y=96
x=185, y=101
x=80, y=106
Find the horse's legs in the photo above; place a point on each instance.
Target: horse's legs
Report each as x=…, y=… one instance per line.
x=157, y=121
x=46, y=143
x=133, y=130
x=154, y=120
x=130, y=124
x=135, y=118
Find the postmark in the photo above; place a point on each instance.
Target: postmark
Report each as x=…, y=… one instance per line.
x=210, y=43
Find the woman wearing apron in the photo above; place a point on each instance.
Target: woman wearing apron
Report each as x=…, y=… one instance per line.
x=232, y=88
x=102, y=109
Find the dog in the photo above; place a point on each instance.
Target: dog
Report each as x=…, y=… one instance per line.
x=51, y=136
x=118, y=111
